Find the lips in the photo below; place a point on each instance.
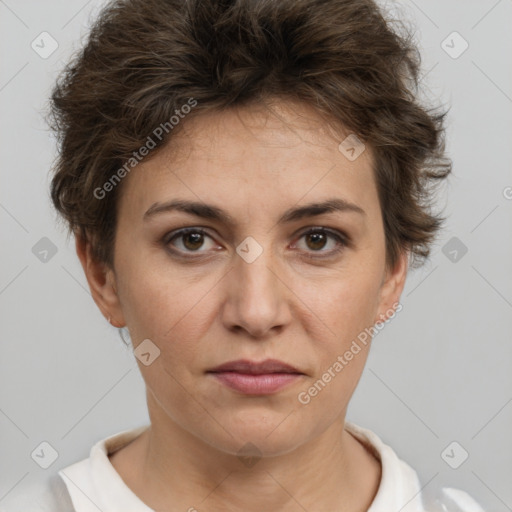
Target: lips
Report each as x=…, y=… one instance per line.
x=256, y=378
x=248, y=367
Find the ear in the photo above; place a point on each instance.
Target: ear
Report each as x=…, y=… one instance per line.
x=392, y=286
x=102, y=283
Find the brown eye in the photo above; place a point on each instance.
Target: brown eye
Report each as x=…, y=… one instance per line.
x=317, y=239
x=189, y=240
x=193, y=241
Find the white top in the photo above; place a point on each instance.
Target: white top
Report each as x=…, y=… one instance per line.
x=93, y=484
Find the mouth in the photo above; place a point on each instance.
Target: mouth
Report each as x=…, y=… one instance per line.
x=256, y=368
x=256, y=378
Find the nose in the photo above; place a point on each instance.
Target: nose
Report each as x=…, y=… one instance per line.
x=257, y=297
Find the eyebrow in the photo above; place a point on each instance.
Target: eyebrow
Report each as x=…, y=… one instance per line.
x=211, y=212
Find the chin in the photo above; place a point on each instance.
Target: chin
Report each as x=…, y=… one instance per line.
x=270, y=437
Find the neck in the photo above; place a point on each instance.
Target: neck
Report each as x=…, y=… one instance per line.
x=170, y=469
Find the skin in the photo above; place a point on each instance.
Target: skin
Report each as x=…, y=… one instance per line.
x=217, y=307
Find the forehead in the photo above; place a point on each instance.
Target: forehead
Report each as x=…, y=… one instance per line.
x=285, y=128
x=253, y=156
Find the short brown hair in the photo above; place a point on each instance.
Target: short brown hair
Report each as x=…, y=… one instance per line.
x=144, y=59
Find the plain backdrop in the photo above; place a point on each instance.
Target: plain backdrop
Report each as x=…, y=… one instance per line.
x=439, y=373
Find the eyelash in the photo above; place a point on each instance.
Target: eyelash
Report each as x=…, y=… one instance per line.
x=342, y=240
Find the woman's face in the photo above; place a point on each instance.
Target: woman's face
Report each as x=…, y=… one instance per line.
x=252, y=283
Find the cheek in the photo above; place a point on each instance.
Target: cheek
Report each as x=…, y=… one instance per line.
x=344, y=304
x=347, y=307
x=157, y=302
x=173, y=313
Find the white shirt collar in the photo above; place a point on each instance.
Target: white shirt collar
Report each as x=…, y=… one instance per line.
x=94, y=484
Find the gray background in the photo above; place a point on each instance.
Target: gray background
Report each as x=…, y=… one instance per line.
x=440, y=372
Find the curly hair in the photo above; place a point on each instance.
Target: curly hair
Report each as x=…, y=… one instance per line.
x=145, y=59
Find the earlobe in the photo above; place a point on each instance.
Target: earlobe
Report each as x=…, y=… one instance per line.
x=392, y=287
x=102, y=283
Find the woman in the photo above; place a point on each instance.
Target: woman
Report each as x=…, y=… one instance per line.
x=248, y=183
